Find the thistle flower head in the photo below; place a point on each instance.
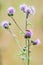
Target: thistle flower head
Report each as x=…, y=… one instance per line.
x=28, y=34
x=23, y=7
x=5, y=24
x=28, y=10
x=36, y=42
x=11, y=11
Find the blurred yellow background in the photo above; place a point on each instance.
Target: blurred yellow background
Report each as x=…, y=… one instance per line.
x=9, y=47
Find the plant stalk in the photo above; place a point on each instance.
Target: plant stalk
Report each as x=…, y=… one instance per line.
x=27, y=45
x=17, y=24
x=15, y=38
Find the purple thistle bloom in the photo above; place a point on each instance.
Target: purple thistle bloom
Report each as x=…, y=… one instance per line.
x=30, y=10
x=27, y=10
x=36, y=42
x=5, y=24
x=28, y=34
x=11, y=11
x=23, y=7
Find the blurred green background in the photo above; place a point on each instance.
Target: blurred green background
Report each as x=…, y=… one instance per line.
x=10, y=48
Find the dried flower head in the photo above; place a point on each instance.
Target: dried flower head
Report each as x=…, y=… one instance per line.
x=10, y=11
x=32, y=10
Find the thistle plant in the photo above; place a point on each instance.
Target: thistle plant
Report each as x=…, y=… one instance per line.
x=25, y=51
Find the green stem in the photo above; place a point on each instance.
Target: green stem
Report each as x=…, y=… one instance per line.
x=26, y=40
x=28, y=50
x=17, y=24
x=26, y=23
x=27, y=45
x=15, y=38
